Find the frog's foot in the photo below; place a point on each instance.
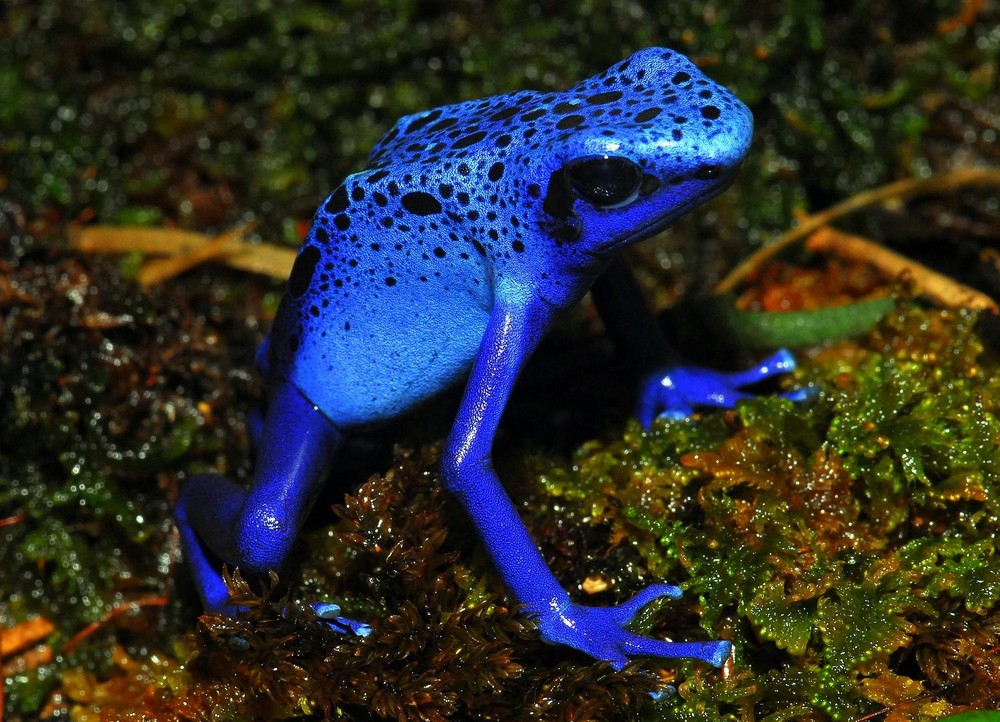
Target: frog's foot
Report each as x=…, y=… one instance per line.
x=601, y=633
x=330, y=615
x=676, y=392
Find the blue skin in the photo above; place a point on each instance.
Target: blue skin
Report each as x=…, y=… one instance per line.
x=471, y=229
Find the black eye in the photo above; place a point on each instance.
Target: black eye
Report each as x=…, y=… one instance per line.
x=605, y=181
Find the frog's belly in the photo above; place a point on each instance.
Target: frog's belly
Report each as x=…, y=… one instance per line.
x=365, y=368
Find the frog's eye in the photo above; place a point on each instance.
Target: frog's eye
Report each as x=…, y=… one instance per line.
x=606, y=181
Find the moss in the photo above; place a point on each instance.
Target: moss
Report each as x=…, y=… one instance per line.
x=847, y=546
x=826, y=539
x=443, y=644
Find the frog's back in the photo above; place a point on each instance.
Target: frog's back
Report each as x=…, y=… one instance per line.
x=391, y=293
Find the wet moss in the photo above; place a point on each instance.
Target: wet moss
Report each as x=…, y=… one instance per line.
x=845, y=546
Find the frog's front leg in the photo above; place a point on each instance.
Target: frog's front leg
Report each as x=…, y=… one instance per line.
x=667, y=387
x=467, y=471
x=254, y=529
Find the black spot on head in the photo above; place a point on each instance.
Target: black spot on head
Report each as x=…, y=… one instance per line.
x=380, y=199
x=390, y=281
x=377, y=176
x=358, y=193
x=470, y=139
x=303, y=270
x=533, y=114
x=680, y=77
x=496, y=171
x=647, y=115
x=534, y=190
x=440, y=252
x=710, y=112
x=445, y=190
x=421, y=204
x=343, y=221
x=559, y=197
x=517, y=246
x=479, y=247
x=502, y=141
x=562, y=108
x=337, y=203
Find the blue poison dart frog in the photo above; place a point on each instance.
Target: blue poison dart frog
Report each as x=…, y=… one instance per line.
x=472, y=227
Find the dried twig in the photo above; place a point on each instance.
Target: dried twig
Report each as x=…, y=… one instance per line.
x=23, y=635
x=967, y=178
x=186, y=249
x=937, y=287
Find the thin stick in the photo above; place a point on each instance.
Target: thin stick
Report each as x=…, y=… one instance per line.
x=966, y=178
x=937, y=287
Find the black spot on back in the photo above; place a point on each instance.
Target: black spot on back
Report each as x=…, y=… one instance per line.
x=421, y=204
x=570, y=121
x=338, y=201
x=647, y=114
x=609, y=97
x=470, y=139
x=303, y=270
x=505, y=113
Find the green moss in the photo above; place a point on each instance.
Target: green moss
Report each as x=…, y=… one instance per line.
x=846, y=546
x=827, y=539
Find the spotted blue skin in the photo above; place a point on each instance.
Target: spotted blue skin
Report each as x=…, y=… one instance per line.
x=447, y=258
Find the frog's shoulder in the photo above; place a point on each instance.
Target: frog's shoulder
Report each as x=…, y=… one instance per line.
x=428, y=133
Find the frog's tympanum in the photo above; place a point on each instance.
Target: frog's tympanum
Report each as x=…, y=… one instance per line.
x=472, y=227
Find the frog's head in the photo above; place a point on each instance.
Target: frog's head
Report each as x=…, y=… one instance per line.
x=553, y=184
x=641, y=145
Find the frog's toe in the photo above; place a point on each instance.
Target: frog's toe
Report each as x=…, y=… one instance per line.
x=714, y=653
x=804, y=393
x=780, y=362
x=329, y=614
x=624, y=613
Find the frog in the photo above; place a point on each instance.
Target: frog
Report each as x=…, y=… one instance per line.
x=471, y=229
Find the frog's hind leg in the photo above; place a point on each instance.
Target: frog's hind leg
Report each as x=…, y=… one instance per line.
x=254, y=529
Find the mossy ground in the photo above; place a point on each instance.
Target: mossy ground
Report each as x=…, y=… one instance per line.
x=847, y=546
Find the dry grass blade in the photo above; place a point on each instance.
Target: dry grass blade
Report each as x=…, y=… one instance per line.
x=967, y=178
x=186, y=250
x=938, y=288
x=24, y=635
